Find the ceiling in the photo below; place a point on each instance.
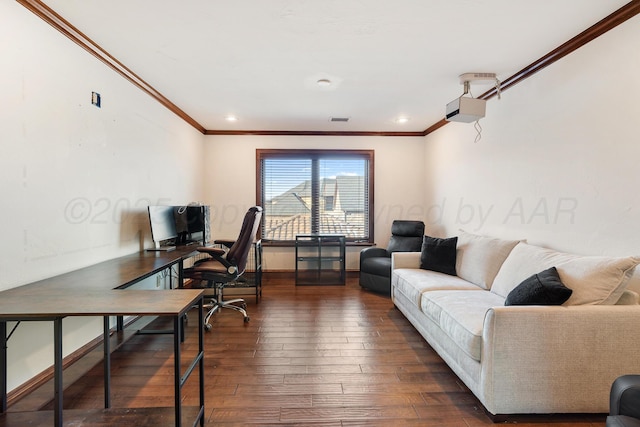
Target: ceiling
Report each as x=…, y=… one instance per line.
x=260, y=60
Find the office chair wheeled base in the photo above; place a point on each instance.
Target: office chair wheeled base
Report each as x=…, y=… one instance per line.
x=217, y=303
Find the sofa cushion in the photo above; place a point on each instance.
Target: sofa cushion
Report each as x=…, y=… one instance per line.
x=479, y=258
x=460, y=314
x=544, y=288
x=439, y=255
x=593, y=279
x=412, y=282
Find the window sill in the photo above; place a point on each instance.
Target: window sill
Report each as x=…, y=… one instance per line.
x=291, y=244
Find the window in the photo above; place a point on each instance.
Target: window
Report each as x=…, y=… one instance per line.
x=315, y=191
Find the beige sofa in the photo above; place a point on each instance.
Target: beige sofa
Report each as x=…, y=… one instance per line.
x=521, y=359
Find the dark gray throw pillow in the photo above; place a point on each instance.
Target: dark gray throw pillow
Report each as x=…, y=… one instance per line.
x=544, y=288
x=439, y=254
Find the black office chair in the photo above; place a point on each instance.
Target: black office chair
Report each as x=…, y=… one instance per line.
x=222, y=267
x=624, y=406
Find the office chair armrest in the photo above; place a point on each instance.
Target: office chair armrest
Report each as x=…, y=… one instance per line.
x=224, y=242
x=209, y=266
x=214, y=252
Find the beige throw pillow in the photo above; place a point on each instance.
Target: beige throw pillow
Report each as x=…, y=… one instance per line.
x=593, y=279
x=524, y=261
x=479, y=258
x=596, y=280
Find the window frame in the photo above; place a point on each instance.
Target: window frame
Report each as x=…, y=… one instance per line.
x=369, y=155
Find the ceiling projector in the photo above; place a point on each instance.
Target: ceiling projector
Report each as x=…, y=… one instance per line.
x=465, y=109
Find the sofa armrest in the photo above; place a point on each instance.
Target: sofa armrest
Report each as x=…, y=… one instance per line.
x=535, y=348
x=625, y=396
x=405, y=260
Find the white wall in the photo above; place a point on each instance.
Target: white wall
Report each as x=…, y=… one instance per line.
x=558, y=160
x=556, y=165
x=230, y=163
x=76, y=179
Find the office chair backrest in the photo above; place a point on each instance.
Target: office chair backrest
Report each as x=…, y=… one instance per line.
x=239, y=251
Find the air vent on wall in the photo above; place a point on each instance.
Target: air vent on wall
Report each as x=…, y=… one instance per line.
x=339, y=119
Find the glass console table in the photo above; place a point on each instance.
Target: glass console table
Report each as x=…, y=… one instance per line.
x=320, y=259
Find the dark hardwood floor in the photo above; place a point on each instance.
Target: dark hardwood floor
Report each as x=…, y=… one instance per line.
x=310, y=356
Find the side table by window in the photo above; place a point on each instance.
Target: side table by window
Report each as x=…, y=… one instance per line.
x=320, y=259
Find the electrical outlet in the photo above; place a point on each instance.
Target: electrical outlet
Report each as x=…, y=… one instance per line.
x=95, y=99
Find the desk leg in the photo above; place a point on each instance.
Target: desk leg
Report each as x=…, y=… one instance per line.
x=181, y=274
x=201, y=352
x=107, y=362
x=57, y=371
x=180, y=286
x=177, y=339
x=3, y=366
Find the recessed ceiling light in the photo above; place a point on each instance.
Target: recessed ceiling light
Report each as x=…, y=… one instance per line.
x=231, y=118
x=402, y=119
x=324, y=82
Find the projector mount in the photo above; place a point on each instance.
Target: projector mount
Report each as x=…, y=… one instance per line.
x=470, y=109
x=467, y=78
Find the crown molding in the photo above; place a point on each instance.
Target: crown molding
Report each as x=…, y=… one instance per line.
x=59, y=23
x=621, y=15
x=309, y=133
x=43, y=11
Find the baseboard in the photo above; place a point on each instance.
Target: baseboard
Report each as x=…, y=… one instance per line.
x=288, y=274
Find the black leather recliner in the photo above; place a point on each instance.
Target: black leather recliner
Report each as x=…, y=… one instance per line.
x=624, y=403
x=375, y=263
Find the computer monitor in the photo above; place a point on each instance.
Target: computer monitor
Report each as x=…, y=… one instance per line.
x=192, y=224
x=163, y=227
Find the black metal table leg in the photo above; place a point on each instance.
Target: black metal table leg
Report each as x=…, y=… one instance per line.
x=57, y=371
x=3, y=366
x=177, y=338
x=201, y=355
x=107, y=362
x=181, y=274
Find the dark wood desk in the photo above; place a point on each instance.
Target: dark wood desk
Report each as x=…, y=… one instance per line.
x=100, y=290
